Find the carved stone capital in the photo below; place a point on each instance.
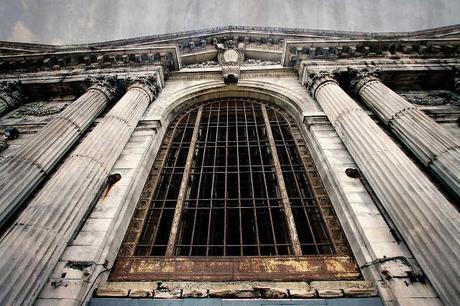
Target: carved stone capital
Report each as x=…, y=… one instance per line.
x=360, y=77
x=149, y=84
x=107, y=85
x=11, y=95
x=314, y=79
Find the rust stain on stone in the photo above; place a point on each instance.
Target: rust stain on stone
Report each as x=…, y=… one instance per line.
x=236, y=268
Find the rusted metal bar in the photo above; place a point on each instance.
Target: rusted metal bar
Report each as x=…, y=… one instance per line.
x=266, y=188
x=211, y=202
x=292, y=170
x=226, y=179
x=253, y=268
x=256, y=225
x=156, y=223
x=205, y=144
x=282, y=187
x=183, y=186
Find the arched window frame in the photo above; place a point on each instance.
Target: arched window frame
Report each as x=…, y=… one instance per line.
x=296, y=266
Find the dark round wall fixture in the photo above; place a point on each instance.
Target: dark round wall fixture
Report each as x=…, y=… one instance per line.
x=113, y=178
x=352, y=172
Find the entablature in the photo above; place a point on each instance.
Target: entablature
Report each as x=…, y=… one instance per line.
x=296, y=51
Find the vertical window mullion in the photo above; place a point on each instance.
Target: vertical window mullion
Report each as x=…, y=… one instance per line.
x=197, y=208
x=256, y=225
x=183, y=186
x=240, y=219
x=264, y=171
x=307, y=215
x=226, y=179
x=216, y=142
x=282, y=187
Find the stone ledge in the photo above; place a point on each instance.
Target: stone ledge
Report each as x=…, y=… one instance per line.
x=111, y=292
x=235, y=290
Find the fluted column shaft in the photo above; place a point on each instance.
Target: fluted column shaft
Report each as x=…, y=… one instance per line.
x=34, y=245
x=10, y=96
x=431, y=143
x=429, y=224
x=21, y=173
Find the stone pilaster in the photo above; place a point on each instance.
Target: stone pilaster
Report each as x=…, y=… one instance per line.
x=431, y=143
x=428, y=222
x=10, y=95
x=21, y=173
x=35, y=243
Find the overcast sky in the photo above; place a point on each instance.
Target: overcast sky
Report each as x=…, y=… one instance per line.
x=79, y=21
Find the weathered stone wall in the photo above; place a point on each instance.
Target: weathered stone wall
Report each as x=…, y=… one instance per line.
x=30, y=117
x=87, y=260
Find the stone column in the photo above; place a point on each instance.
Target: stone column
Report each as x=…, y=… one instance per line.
x=33, y=246
x=428, y=222
x=21, y=173
x=431, y=143
x=10, y=95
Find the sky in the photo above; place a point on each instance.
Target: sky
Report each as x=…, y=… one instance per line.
x=82, y=21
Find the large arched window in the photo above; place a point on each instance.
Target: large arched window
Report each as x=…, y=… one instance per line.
x=234, y=190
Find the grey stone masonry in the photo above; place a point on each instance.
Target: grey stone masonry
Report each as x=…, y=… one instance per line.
x=33, y=246
x=10, y=96
x=432, y=144
x=21, y=172
x=428, y=222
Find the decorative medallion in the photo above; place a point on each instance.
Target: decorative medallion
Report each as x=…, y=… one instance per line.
x=230, y=56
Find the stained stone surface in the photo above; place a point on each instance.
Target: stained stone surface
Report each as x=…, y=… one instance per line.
x=72, y=227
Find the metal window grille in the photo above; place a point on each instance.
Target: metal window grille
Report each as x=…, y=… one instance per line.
x=233, y=179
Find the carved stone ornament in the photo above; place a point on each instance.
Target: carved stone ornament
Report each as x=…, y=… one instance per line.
x=257, y=62
x=10, y=94
x=230, y=56
x=150, y=84
x=360, y=77
x=108, y=85
x=315, y=78
x=202, y=65
x=38, y=109
x=432, y=98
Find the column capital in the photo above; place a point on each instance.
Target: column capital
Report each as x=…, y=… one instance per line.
x=11, y=86
x=361, y=76
x=314, y=79
x=107, y=85
x=150, y=84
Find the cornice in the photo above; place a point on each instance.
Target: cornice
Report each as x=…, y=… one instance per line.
x=242, y=30
x=296, y=51
x=168, y=56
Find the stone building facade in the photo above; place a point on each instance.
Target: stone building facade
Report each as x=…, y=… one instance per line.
x=259, y=166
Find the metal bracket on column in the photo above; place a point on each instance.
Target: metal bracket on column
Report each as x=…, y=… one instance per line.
x=397, y=267
x=316, y=118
